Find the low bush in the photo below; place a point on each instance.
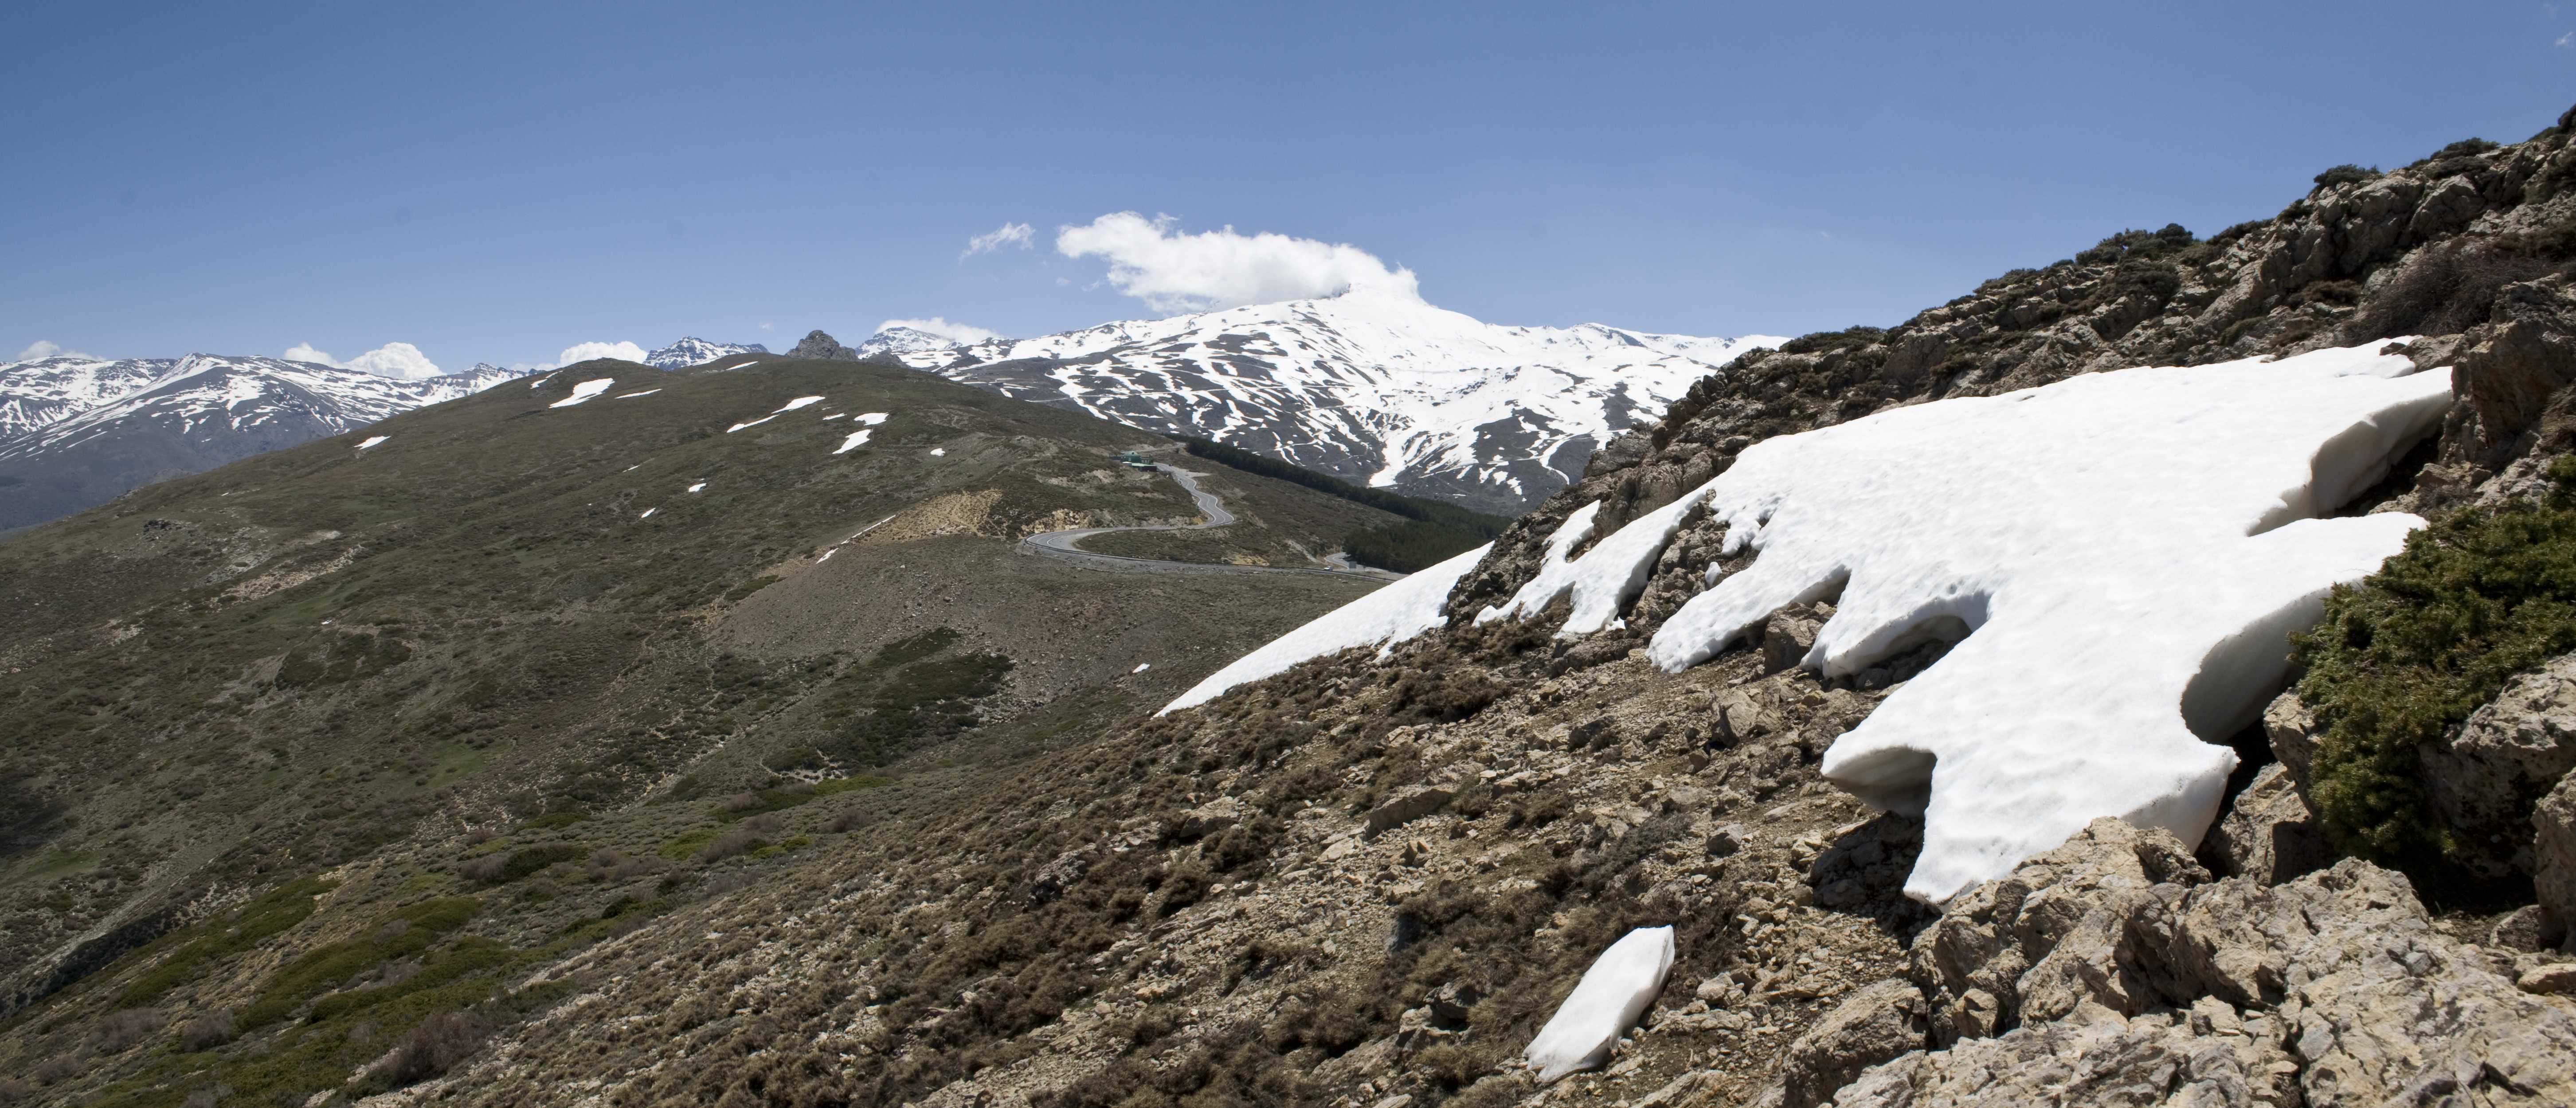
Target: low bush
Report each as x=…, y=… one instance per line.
x=2475, y=598
x=433, y=1048
x=207, y=1031
x=2346, y=174
x=118, y=1031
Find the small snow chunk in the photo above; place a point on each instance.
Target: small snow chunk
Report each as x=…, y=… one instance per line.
x=751, y=423
x=648, y=513
x=836, y=415
x=872, y=418
x=1383, y=618
x=799, y=402
x=939, y=452
x=698, y=486
x=2129, y=551
x=1605, y=1004
x=1142, y=667
x=373, y=441
x=827, y=555
x=584, y=392
x=633, y=395
x=852, y=442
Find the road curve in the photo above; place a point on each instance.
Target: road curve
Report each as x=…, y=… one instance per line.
x=1066, y=544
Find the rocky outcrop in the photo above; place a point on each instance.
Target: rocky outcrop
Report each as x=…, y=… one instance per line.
x=2065, y=984
x=1880, y=1023
x=2209, y=1057
x=823, y=347
x=2482, y=780
x=2269, y=835
x=2553, y=879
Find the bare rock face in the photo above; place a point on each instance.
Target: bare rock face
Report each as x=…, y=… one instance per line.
x=2268, y=835
x=1878, y=1024
x=2517, y=362
x=2553, y=824
x=1790, y=634
x=2330, y=989
x=2486, y=774
x=2293, y=733
x=2207, y=1058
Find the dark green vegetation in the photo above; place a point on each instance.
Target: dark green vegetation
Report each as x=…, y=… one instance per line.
x=514, y=714
x=1428, y=533
x=2477, y=597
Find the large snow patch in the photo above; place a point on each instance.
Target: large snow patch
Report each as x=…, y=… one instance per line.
x=2129, y=549
x=1612, y=994
x=1386, y=617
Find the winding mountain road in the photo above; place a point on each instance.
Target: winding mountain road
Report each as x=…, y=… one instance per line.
x=1066, y=544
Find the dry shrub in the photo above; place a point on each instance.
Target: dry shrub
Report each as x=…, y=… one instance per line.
x=207, y=1032
x=118, y=1031
x=434, y=1047
x=59, y=1068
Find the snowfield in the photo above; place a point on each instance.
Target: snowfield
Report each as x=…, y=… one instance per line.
x=2130, y=550
x=1383, y=618
x=584, y=391
x=856, y=439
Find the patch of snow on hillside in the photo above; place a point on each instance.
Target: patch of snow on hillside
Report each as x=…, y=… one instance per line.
x=373, y=441
x=648, y=513
x=939, y=452
x=1383, y=618
x=584, y=391
x=835, y=415
x=2130, y=550
x=750, y=423
x=799, y=402
x=698, y=486
x=872, y=419
x=633, y=395
x=853, y=442
x=1604, y=1004
x=1142, y=667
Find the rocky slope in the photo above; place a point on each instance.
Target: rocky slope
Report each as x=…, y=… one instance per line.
x=1366, y=882
x=1372, y=386
x=90, y=431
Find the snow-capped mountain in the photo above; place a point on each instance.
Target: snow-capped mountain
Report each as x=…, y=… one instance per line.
x=1373, y=385
x=692, y=351
x=89, y=430
x=905, y=340
x=45, y=390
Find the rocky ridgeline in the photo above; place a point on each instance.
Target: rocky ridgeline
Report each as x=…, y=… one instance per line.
x=2466, y=248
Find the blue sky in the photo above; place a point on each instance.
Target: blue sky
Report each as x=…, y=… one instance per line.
x=497, y=182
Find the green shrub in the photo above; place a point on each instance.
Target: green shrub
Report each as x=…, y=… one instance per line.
x=1822, y=341
x=2346, y=174
x=2480, y=595
x=1412, y=545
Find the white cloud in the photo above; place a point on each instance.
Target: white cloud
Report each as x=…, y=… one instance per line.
x=1008, y=234
x=44, y=349
x=944, y=328
x=399, y=360
x=585, y=351
x=1175, y=272
x=2568, y=39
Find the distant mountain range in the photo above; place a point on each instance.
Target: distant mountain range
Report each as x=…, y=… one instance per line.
x=77, y=431
x=1373, y=386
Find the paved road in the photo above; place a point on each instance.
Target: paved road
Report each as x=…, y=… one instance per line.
x=1066, y=544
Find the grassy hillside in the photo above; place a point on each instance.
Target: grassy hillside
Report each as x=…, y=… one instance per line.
x=329, y=750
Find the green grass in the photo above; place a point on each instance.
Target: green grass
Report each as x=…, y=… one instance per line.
x=2475, y=598
x=243, y=929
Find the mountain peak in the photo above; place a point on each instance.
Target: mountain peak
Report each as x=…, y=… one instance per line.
x=693, y=351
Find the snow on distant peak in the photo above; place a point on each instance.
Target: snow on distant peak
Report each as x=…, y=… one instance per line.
x=2125, y=553
x=1369, y=386
x=692, y=351
x=1382, y=619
